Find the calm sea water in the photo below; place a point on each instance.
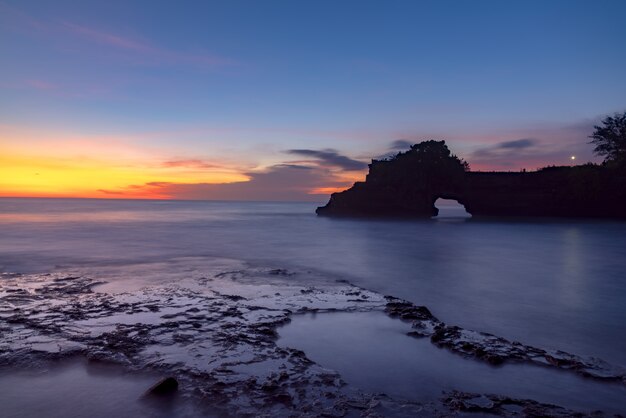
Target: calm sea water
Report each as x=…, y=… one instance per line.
x=554, y=284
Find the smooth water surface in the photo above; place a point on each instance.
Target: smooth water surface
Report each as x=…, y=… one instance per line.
x=372, y=351
x=79, y=389
x=554, y=284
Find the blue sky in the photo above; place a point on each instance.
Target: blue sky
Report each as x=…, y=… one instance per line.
x=241, y=82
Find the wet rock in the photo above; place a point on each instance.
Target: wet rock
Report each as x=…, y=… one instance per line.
x=64, y=279
x=164, y=387
x=280, y=272
x=407, y=311
x=218, y=337
x=234, y=297
x=493, y=349
x=507, y=407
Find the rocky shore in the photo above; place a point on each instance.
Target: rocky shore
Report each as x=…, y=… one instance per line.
x=215, y=333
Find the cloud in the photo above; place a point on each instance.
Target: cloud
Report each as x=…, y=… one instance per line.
x=190, y=163
x=517, y=144
x=137, y=49
x=296, y=166
x=400, y=145
x=506, y=148
x=530, y=153
x=41, y=85
x=143, y=48
x=509, y=154
x=113, y=192
x=330, y=158
x=282, y=182
x=107, y=38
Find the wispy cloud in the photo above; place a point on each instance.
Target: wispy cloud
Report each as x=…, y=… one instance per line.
x=330, y=158
x=400, y=145
x=396, y=146
x=107, y=38
x=530, y=153
x=139, y=50
x=506, y=148
x=144, y=48
x=191, y=164
x=41, y=85
x=112, y=192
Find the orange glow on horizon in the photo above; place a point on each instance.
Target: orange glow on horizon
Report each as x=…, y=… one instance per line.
x=342, y=182
x=33, y=176
x=60, y=164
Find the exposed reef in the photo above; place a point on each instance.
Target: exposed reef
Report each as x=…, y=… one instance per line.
x=507, y=407
x=215, y=336
x=408, y=184
x=493, y=349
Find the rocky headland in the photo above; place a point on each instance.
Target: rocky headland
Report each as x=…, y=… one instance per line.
x=408, y=184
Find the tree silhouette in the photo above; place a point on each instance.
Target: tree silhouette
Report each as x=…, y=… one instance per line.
x=610, y=139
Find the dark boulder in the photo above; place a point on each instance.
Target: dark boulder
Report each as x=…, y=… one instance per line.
x=164, y=387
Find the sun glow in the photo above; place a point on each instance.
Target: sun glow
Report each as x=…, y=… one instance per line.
x=65, y=164
x=35, y=176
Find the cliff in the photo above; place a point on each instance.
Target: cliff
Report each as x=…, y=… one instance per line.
x=408, y=184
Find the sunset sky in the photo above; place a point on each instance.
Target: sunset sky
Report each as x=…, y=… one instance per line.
x=289, y=100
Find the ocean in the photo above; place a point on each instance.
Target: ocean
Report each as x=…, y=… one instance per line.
x=231, y=293
x=557, y=284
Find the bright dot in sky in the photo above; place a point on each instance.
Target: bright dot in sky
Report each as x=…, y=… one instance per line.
x=573, y=157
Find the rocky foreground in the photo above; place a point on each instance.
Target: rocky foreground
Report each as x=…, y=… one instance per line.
x=215, y=333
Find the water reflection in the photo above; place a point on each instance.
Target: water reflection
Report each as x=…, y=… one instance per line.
x=372, y=352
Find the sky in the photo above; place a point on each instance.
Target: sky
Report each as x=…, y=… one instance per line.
x=290, y=100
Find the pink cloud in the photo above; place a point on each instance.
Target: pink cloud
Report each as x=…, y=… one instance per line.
x=41, y=85
x=191, y=163
x=18, y=21
x=143, y=48
x=107, y=38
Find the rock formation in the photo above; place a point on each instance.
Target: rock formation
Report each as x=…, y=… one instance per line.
x=408, y=184
x=164, y=387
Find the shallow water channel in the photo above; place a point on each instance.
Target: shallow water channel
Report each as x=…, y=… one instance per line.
x=372, y=352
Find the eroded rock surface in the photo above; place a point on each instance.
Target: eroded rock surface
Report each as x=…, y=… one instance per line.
x=493, y=349
x=216, y=334
x=508, y=407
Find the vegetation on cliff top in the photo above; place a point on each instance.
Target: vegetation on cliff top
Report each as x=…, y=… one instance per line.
x=429, y=151
x=610, y=140
x=424, y=164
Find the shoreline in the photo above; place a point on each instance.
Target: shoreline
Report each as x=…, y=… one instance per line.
x=213, y=324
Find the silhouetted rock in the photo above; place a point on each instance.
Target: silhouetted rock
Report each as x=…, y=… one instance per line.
x=164, y=387
x=408, y=185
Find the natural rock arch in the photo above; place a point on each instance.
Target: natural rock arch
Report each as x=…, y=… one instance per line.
x=408, y=184
x=444, y=196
